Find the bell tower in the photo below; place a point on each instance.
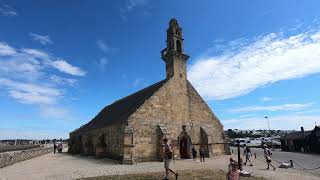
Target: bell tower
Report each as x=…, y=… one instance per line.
x=173, y=55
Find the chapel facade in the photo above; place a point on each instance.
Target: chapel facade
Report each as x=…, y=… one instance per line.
x=133, y=128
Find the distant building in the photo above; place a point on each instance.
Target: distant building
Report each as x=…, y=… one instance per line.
x=313, y=141
x=302, y=141
x=133, y=128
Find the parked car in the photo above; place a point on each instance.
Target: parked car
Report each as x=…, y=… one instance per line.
x=254, y=142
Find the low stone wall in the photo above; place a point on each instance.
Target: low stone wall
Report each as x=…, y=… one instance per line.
x=7, y=148
x=8, y=158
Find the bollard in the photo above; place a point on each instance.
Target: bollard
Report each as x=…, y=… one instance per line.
x=255, y=155
x=239, y=163
x=232, y=151
x=291, y=163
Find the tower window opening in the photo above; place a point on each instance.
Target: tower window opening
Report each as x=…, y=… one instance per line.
x=179, y=46
x=177, y=32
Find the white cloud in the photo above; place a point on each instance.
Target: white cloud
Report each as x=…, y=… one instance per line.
x=62, y=80
x=7, y=10
x=32, y=61
x=53, y=112
x=102, y=62
x=36, y=53
x=6, y=50
x=42, y=39
x=105, y=47
x=26, y=76
x=31, y=93
x=131, y=5
x=138, y=82
x=20, y=66
x=35, y=133
x=265, y=99
x=58, y=64
x=65, y=67
x=294, y=121
x=283, y=107
x=248, y=66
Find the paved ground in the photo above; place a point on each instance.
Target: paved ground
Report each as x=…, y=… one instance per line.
x=309, y=161
x=65, y=166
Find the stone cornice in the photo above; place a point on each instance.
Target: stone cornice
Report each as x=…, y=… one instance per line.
x=166, y=55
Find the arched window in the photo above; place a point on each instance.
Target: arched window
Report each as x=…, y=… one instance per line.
x=179, y=49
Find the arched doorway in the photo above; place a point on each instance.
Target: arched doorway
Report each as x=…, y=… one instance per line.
x=184, y=144
x=184, y=148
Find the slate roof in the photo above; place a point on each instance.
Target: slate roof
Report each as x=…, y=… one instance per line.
x=119, y=111
x=296, y=135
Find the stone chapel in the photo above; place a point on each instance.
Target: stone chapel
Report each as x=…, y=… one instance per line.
x=133, y=128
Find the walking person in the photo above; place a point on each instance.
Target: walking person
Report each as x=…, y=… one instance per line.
x=168, y=156
x=202, y=153
x=247, y=154
x=54, y=147
x=267, y=155
x=194, y=153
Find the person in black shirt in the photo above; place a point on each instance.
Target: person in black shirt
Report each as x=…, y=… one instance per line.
x=194, y=153
x=202, y=153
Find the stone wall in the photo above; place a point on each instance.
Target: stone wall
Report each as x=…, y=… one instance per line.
x=7, y=148
x=175, y=104
x=201, y=114
x=103, y=142
x=8, y=158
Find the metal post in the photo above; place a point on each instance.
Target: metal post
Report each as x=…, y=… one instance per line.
x=269, y=132
x=239, y=163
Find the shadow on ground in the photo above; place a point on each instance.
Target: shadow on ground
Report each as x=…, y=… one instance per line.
x=183, y=175
x=92, y=159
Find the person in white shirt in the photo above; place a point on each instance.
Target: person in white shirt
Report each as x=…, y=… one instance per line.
x=247, y=154
x=168, y=156
x=267, y=155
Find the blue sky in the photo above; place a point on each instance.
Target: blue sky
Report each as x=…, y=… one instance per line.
x=61, y=62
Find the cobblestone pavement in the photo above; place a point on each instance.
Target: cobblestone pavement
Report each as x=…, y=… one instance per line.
x=65, y=166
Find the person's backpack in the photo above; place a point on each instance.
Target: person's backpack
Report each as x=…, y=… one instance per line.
x=168, y=152
x=170, y=155
x=269, y=152
x=248, y=149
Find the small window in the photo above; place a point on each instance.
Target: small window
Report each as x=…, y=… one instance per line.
x=179, y=49
x=180, y=75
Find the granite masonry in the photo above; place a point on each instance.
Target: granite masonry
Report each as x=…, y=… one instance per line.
x=8, y=158
x=133, y=128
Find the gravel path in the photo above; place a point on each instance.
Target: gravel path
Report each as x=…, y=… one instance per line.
x=65, y=166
